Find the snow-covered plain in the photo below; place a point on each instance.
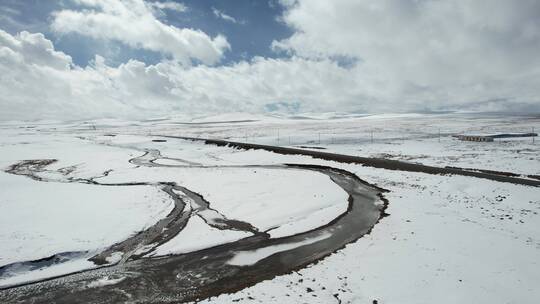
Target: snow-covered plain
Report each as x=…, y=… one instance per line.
x=58, y=215
x=423, y=138
x=266, y=198
x=448, y=239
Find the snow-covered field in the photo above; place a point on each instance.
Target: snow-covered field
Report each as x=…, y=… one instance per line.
x=423, y=138
x=448, y=239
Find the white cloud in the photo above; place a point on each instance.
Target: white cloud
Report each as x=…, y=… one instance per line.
x=36, y=49
x=436, y=54
x=427, y=55
x=38, y=82
x=133, y=23
x=53, y=87
x=224, y=16
x=168, y=5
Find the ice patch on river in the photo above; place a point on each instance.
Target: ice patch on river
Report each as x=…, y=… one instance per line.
x=198, y=235
x=105, y=281
x=246, y=258
x=46, y=272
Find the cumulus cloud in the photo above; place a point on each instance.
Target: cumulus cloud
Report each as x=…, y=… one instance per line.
x=406, y=56
x=438, y=54
x=39, y=82
x=35, y=49
x=133, y=23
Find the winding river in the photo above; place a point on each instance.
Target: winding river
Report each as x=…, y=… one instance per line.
x=139, y=277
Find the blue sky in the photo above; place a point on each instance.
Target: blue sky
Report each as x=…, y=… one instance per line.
x=256, y=27
x=141, y=58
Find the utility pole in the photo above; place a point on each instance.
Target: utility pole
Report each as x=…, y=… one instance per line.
x=371, y=136
x=319, y=138
x=533, y=134
x=439, y=134
x=278, y=137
